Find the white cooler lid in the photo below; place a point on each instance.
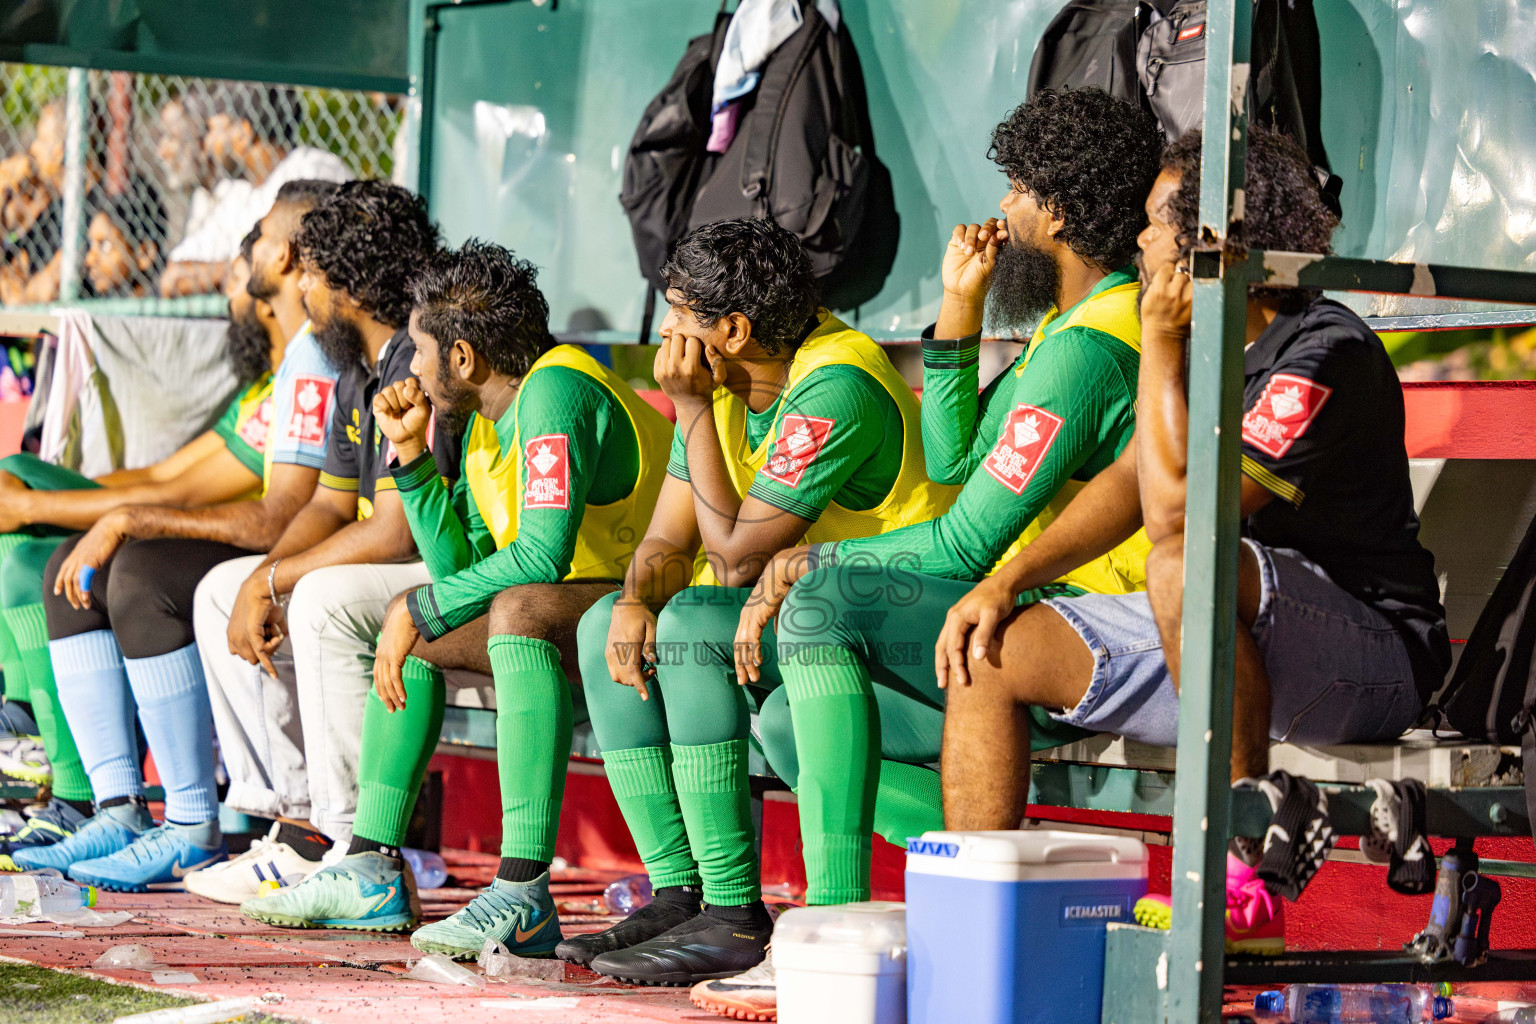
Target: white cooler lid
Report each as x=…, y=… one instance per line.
x=1027, y=853
x=875, y=927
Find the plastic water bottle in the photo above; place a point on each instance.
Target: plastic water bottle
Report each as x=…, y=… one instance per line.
x=40, y=895
x=428, y=867
x=1352, y=1004
x=628, y=895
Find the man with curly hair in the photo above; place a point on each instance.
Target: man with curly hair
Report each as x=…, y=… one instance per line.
x=307, y=613
x=1341, y=636
x=790, y=425
x=853, y=642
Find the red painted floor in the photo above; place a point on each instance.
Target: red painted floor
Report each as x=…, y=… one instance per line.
x=340, y=977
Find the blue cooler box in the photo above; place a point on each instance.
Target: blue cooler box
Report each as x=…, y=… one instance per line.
x=1008, y=927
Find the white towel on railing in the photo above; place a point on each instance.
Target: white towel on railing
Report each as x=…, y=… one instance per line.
x=128, y=391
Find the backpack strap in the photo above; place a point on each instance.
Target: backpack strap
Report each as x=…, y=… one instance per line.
x=779, y=75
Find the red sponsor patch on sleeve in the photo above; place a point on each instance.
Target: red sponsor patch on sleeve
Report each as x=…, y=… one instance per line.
x=310, y=409
x=1283, y=413
x=258, y=425
x=549, y=472
x=1190, y=33
x=801, y=439
x=1027, y=435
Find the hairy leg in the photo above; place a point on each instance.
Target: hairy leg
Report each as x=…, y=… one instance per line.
x=549, y=612
x=1250, y=693
x=464, y=648
x=1040, y=660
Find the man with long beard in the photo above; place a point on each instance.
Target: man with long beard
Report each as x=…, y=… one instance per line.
x=854, y=638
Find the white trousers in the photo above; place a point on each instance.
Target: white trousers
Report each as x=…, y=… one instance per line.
x=291, y=743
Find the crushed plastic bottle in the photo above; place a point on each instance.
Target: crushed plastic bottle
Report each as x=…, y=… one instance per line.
x=131, y=957
x=87, y=918
x=1351, y=1004
x=428, y=867
x=628, y=895
x=41, y=895
x=500, y=965
x=439, y=970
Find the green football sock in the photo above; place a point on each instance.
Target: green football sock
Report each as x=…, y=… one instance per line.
x=30, y=627
x=642, y=784
x=837, y=735
x=18, y=684
x=395, y=750
x=533, y=743
x=908, y=802
x=716, y=803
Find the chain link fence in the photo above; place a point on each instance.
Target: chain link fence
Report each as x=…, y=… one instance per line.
x=120, y=191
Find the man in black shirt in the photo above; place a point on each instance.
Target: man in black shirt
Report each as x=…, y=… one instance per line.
x=1341, y=634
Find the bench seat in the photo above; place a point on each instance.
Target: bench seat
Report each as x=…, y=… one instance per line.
x=1443, y=761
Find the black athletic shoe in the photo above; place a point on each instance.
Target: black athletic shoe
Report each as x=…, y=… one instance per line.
x=706, y=947
x=651, y=920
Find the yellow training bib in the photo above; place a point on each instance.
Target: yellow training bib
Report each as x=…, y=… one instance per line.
x=535, y=473
x=913, y=498
x=1122, y=570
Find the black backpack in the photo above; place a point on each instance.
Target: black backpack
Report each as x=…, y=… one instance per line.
x=1092, y=43
x=1284, y=84
x=1087, y=45
x=667, y=160
x=1491, y=696
x=798, y=158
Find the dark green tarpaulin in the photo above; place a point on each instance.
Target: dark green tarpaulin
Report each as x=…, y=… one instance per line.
x=356, y=44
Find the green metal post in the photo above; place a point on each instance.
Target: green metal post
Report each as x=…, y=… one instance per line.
x=1202, y=795
x=77, y=110
x=422, y=67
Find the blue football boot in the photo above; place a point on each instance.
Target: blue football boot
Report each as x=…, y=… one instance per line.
x=100, y=836
x=158, y=859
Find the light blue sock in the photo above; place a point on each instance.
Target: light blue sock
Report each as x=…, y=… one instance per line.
x=178, y=722
x=97, y=702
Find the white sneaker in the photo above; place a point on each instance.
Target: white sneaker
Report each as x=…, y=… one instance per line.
x=22, y=757
x=753, y=995
x=240, y=879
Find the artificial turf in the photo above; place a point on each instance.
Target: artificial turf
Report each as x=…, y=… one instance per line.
x=37, y=995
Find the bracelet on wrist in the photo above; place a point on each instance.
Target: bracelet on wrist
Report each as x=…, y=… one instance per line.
x=281, y=602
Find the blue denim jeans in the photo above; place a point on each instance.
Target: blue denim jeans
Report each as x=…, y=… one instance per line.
x=1338, y=671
